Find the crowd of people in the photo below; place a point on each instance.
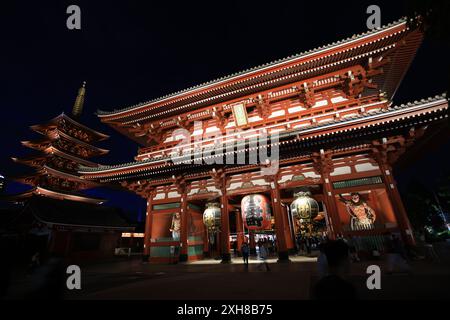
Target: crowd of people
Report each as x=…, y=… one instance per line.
x=307, y=243
x=388, y=247
x=265, y=248
x=334, y=256
x=269, y=243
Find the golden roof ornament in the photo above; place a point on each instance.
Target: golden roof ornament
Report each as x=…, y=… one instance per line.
x=79, y=101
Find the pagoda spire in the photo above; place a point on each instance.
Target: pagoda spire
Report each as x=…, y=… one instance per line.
x=79, y=101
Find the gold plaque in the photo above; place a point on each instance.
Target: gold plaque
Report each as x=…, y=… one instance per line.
x=240, y=114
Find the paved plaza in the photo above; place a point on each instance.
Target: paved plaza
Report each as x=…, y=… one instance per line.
x=211, y=280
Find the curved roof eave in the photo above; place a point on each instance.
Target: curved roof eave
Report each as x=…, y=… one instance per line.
x=334, y=45
x=139, y=165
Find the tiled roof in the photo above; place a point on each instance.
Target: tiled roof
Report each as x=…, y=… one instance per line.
x=255, y=69
x=295, y=132
x=99, y=136
x=74, y=213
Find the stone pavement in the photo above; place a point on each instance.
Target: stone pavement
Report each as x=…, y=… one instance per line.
x=210, y=279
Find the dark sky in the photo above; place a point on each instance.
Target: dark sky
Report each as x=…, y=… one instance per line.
x=133, y=51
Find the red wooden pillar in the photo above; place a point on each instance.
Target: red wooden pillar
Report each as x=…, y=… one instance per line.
x=225, y=228
x=324, y=166
x=329, y=199
x=397, y=203
x=148, y=227
x=280, y=225
x=287, y=229
x=184, y=227
x=239, y=231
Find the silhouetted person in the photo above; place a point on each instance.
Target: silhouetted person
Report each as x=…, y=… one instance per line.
x=397, y=246
x=333, y=286
x=263, y=255
x=396, y=257
x=48, y=280
x=352, y=249
x=308, y=245
x=245, y=250
x=235, y=248
x=322, y=263
x=35, y=262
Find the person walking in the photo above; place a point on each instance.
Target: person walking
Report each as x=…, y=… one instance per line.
x=322, y=263
x=270, y=246
x=396, y=262
x=263, y=256
x=245, y=250
x=352, y=249
x=308, y=245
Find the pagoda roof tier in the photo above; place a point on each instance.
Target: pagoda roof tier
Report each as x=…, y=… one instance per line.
x=63, y=213
x=48, y=171
x=42, y=156
x=35, y=161
x=423, y=111
x=48, y=128
x=53, y=194
x=395, y=44
x=61, y=174
x=48, y=144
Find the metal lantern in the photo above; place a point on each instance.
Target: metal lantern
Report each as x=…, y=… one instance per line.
x=304, y=208
x=211, y=217
x=256, y=212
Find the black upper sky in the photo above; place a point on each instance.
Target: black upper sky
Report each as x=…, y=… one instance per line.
x=133, y=51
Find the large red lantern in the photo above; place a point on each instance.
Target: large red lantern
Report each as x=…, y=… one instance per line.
x=256, y=212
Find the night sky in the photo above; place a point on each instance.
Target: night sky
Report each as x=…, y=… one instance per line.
x=134, y=51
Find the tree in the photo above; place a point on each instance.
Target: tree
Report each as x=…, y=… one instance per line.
x=422, y=207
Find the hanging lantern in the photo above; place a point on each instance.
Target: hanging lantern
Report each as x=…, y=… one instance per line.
x=304, y=208
x=211, y=217
x=256, y=212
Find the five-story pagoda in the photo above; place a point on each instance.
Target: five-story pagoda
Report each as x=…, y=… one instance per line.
x=65, y=145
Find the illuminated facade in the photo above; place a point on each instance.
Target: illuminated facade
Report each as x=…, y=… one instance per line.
x=327, y=113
